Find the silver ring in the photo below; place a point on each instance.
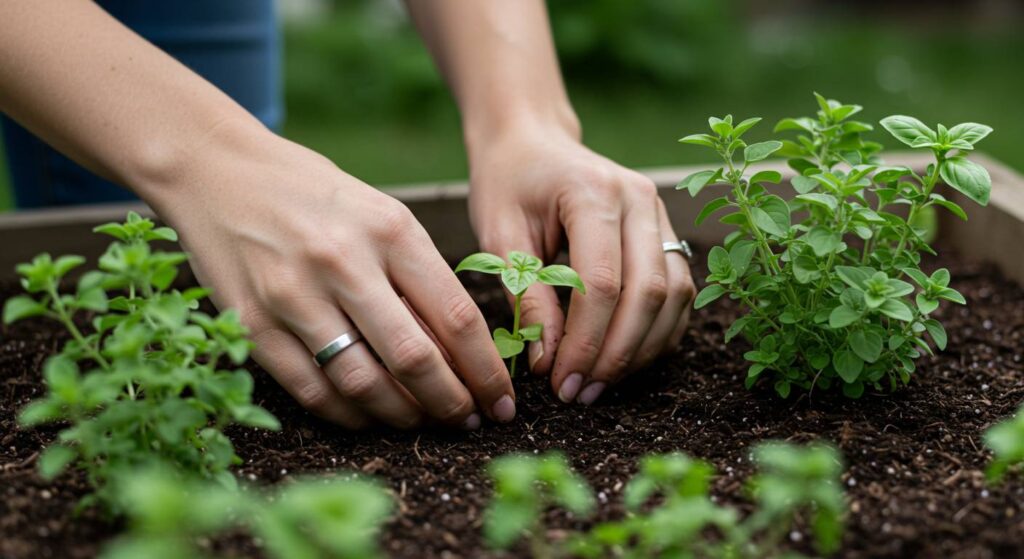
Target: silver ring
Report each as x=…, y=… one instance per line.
x=336, y=346
x=682, y=247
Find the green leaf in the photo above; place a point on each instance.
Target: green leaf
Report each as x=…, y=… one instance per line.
x=970, y=132
x=740, y=256
x=710, y=208
x=65, y=264
x=115, y=230
x=22, y=306
x=825, y=200
x=532, y=332
x=695, y=182
x=558, y=274
x=94, y=299
x=162, y=234
x=969, y=178
x=507, y=344
x=854, y=276
x=517, y=281
x=722, y=127
x=255, y=416
x=708, y=295
x=889, y=174
x=853, y=390
x=801, y=124
x=773, y=177
x=782, y=388
x=742, y=127
x=772, y=216
x=848, y=365
x=699, y=140
x=805, y=268
x=482, y=262
x=908, y=129
x=822, y=241
x=843, y=316
x=937, y=332
x=953, y=207
x=897, y=309
x=760, y=150
x=866, y=344
x=826, y=107
x=719, y=261
x=803, y=184
x=54, y=459
x=926, y=304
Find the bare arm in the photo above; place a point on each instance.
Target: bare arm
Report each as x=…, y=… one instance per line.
x=304, y=251
x=533, y=182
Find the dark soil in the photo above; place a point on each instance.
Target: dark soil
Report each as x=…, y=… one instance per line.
x=914, y=459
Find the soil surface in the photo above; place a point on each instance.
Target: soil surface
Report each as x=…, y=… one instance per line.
x=914, y=459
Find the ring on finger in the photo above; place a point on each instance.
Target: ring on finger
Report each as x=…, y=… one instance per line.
x=336, y=346
x=682, y=247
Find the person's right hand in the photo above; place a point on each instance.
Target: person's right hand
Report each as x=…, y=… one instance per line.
x=306, y=253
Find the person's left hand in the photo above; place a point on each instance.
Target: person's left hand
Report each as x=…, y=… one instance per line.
x=530, y=192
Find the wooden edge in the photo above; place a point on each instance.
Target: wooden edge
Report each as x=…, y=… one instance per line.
x=441, y=208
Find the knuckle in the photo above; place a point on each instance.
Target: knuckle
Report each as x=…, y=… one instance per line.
x=654, y=290
x=687, y=291
x=588, y=344
x=393, y=221
x=359, y=384
x=413, y=356
x=457, y=411
x=619, y=362
x=462, y=317
x=645, y=187
x=315, y=398
x=531, y=306
x=604, y=282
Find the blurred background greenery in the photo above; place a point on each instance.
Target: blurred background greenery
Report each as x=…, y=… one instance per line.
x=361, y=89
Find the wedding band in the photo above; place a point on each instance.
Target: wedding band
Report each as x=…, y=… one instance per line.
x=336, y=346
x=682, y=247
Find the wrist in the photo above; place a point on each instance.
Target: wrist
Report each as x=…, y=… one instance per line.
x=500, y=128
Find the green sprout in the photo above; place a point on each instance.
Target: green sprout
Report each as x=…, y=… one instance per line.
x=310, y=518
x=145, y=381
x=524, y=487
x=1006, y=439
x=824, y=273
x=518, y=274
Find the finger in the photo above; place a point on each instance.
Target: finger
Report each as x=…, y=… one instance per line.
x=354, y=372
x=595, y=251
x=675, y=344
x=289, y=362
x=680, y=294
x=408, y=352
x=456, y=321
x=645, y=290
x=539, y=304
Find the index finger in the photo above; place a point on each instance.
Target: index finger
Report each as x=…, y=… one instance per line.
x=595, y=251
x=455, y=320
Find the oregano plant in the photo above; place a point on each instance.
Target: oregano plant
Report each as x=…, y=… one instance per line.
x=518, y=273
x=1006, y=440
x=830, y=275
x=142, y=378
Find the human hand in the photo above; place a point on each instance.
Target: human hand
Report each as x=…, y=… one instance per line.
x=530, y=191
x=307, y=253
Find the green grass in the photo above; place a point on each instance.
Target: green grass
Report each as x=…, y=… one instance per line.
x=351, y=113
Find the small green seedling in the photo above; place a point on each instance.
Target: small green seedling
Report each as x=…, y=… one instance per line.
x=144, y=383
x=518, y=274
x=524, y=487
x=330, y=518
x=826, y=273
x=1006, y=439
x=794, y=482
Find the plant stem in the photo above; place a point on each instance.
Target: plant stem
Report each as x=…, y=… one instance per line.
x=515, y=333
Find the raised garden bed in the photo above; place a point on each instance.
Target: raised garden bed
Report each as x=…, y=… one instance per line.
x=914, y=459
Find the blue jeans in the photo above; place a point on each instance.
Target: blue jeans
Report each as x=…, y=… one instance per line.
x=235, y=44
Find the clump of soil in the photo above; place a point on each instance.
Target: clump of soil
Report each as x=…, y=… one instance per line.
x=915, y=459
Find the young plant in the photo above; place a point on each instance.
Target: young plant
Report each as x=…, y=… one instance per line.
x=311, y=519
x=525, y=486
x=824, y=274
x=144, y=383
x=517, y=275
x=1006, y=439
x=685, y=522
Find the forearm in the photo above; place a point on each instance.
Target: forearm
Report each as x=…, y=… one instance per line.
x=499, y=60
x=104, y=96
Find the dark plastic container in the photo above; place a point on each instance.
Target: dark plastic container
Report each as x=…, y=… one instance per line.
x=235, y=44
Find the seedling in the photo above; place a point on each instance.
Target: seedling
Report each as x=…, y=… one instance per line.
x=837, y=297
x=311, y=518
x=1006, y=439
x=524, y=487
x=518, y=274
x=794, y=483
x=145, y=382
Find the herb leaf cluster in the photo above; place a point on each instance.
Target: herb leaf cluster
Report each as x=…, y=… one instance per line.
x=518, y=273
x=830, y=276
x=146, y=380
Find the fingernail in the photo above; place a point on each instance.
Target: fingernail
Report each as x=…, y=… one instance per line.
x=504, y=409
x=591, y=393
x=570, y=387
x=536, y=352
x=472, y=423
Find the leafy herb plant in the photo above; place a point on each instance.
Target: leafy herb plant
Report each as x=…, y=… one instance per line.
x=143, y=382
x=1006, y=439
x=517, y=275
x=312, y=518
x=831, y=276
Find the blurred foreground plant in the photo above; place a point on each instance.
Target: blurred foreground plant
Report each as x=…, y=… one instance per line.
x=1006, y=439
